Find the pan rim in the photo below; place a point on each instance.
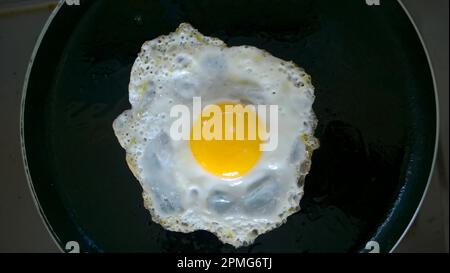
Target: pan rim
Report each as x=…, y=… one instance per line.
x=436, y=140
x=38, y=206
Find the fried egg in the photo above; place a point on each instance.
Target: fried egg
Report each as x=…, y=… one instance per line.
x=231, y=188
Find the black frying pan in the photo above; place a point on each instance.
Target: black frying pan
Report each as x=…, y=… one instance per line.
x=375, y=103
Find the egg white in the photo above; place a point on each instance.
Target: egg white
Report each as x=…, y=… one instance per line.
x=178, y=192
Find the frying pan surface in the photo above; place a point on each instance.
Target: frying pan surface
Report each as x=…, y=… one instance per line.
x=375, y=103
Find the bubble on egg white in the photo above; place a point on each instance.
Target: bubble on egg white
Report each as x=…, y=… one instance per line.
x=259, y=198
x=221, y=202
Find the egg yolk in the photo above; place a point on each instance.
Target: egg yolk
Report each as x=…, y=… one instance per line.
x=235, y=150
